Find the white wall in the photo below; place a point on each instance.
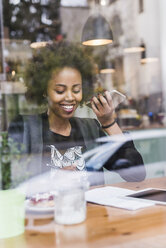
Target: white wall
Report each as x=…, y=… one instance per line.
x=76, y=18
x=148, y=26
x=162, y=20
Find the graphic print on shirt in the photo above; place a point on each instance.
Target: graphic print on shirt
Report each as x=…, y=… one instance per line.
x=72, y=155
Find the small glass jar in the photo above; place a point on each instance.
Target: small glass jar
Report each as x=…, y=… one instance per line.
x=70, y=203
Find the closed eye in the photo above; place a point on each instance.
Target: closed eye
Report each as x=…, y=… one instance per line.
x=59, y=92
x=77, y=88
x=76, y=91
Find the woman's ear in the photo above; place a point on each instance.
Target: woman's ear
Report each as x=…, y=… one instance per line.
x=45, y=98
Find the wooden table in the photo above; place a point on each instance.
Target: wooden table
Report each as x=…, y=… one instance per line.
x=104, y=227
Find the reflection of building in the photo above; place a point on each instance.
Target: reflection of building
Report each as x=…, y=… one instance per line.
x=132, y=22
x=135, y=26
x=24, y=22
x=16, y=54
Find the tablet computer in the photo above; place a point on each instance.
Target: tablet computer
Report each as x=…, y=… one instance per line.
x=156, y=195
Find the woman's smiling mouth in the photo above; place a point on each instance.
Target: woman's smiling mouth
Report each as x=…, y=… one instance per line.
x=68, y=108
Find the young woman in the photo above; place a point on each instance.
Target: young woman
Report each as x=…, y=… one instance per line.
x=61, y=75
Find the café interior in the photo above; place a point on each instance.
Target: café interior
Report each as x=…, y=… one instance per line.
x=95, y=206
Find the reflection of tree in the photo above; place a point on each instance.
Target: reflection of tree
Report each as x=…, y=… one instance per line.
x=32, y=20
x=14, y=70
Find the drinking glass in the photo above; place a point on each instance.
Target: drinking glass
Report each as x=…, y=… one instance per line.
x=12, y=213
x=70, y=203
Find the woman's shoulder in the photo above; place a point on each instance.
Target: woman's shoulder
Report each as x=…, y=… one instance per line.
x=19, y=120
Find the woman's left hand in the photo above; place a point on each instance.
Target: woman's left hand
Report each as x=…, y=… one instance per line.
x=103, y=108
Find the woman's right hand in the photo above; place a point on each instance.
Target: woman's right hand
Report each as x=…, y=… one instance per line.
x=103, y=108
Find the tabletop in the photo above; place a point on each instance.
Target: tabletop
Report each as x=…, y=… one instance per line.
x=104, y=227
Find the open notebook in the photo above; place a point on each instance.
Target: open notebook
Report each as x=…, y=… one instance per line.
x=115, y=197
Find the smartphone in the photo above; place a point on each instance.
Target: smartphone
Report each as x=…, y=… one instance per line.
x=117, y=98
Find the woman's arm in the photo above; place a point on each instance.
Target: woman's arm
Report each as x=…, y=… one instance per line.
x=128, y=163
x=127, y=159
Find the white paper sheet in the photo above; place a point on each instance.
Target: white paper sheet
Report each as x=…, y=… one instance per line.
x=115, y=197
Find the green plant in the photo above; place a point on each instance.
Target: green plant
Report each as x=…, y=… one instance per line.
x=12, y=163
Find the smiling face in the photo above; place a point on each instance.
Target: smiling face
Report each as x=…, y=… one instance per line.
x=64, y=92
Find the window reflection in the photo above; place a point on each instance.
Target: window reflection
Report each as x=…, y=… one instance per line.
x=29, y=27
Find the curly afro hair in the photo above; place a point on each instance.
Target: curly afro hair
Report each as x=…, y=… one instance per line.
x=56, y=56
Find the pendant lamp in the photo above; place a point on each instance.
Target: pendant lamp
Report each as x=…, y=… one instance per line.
x=134, y=49
x=107, y=67
x=144, y=58
x=96, y=31
x=40, y=44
